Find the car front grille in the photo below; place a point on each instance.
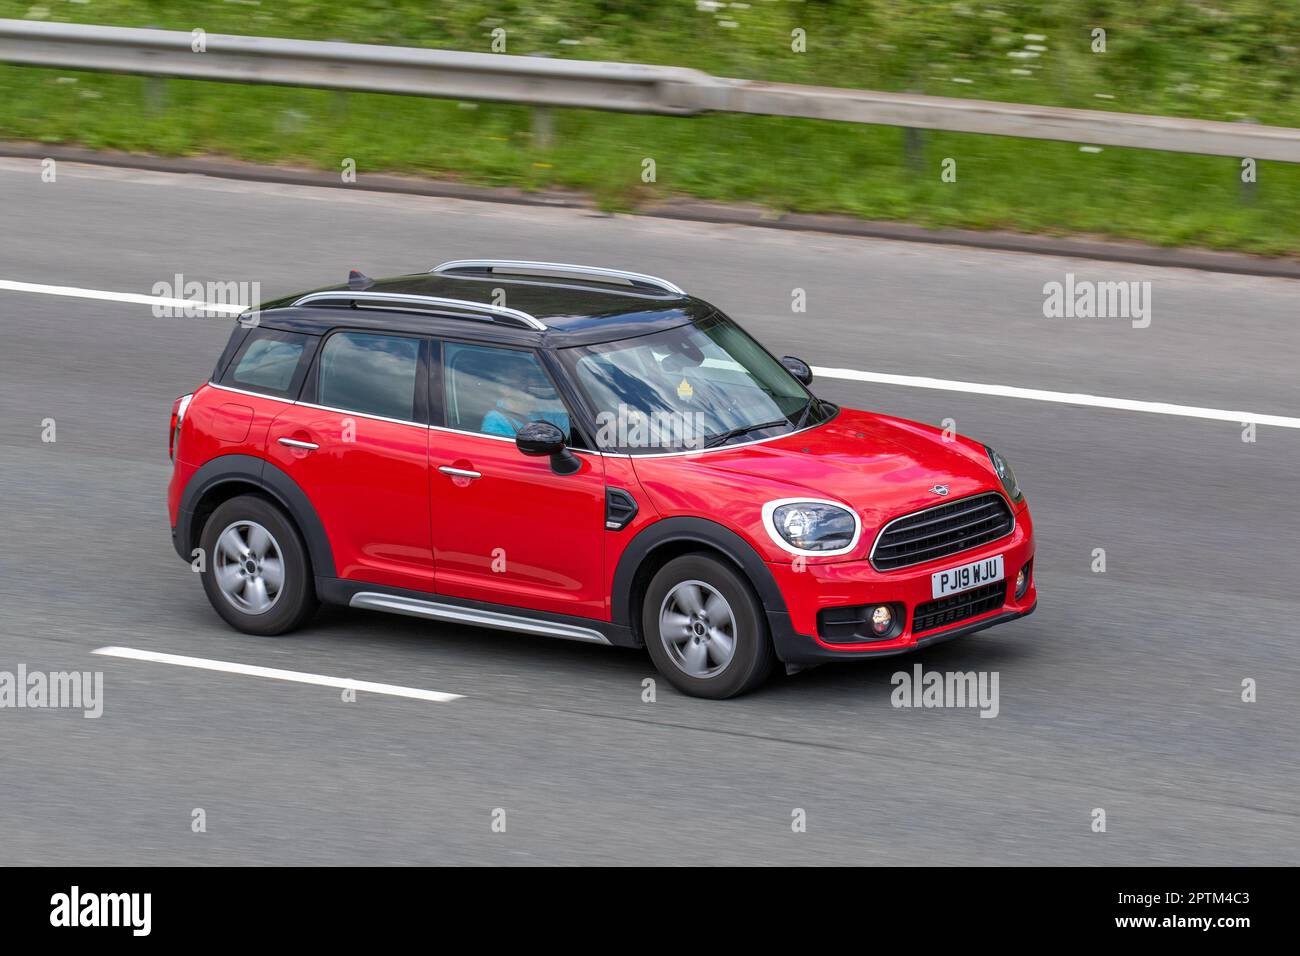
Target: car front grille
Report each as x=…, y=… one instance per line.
x=958, y=607
x=942, y=530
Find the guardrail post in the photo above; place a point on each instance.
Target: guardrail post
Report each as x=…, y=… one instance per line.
x=543, y=127
x=155, y=94
x=913, y=144
x=913, y=149
x=1248, y=187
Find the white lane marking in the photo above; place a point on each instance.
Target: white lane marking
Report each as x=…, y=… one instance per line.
x=1064, y=398
x=132, y=297
x=252, y=670
x=882, y=378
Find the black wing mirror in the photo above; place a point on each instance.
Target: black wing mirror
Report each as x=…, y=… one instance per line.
x=537, y=439
x=798, y=368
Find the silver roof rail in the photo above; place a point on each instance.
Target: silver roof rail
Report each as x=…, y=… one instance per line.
x=425, y=303
x=561, y=269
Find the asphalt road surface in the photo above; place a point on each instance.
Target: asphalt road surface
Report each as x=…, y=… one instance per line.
x=1122, y=693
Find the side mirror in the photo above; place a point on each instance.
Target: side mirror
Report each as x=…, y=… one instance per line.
x=798, y=368
x=537, y=439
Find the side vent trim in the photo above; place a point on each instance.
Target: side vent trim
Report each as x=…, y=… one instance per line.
x=620, y=509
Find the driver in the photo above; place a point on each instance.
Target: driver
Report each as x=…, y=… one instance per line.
x=526, y=396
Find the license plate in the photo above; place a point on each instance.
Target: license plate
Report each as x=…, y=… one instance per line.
x=954, y=580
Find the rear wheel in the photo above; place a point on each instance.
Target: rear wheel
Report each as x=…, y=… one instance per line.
x=258, y=576
x=704, y=629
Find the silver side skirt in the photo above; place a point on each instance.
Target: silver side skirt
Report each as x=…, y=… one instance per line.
x=415, y=607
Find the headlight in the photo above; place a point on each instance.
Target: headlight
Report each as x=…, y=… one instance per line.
x=809, y=526
x=1003, y=468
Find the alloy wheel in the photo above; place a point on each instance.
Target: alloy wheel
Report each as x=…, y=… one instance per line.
x=249, y=567
x=698, y=629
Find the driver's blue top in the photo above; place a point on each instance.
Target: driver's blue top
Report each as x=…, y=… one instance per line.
x=501, y=422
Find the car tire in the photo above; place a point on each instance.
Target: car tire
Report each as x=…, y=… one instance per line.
x=704, y=628
x=257, y=574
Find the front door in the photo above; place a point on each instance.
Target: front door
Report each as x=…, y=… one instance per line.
x=506, y=528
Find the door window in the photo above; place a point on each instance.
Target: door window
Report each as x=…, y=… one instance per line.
x=496, y=391
x=369, y=373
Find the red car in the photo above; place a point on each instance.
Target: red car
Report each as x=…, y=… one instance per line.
x=580, y=453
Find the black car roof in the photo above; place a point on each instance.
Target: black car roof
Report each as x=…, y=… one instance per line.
x=573, y=311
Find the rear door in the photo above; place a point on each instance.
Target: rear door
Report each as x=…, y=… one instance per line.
x=357, y=444
x=506, y=528
x=264, y=374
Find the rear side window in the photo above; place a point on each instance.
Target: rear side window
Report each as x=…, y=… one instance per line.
x=268, y=361
x=370, y=373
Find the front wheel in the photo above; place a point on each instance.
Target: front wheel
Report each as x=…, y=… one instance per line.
x=704, y=629
x=258, y=576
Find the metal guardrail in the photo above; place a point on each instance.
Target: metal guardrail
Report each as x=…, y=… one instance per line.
x=623, y=87
x=626, y=87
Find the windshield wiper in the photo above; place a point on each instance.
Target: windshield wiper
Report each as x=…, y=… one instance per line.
x=803, y=416
x=711, y=441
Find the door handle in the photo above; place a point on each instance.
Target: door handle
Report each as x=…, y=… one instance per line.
x=295, y=443
x=459, y=472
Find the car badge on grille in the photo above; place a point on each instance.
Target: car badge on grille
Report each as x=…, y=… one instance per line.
x=940, y=489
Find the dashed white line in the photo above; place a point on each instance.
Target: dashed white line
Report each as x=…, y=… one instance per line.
x=274, y=673
x=134, y=298
x=1064, y=398
x=881, y=378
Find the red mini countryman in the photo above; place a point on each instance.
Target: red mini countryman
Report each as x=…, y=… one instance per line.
x=580, y=453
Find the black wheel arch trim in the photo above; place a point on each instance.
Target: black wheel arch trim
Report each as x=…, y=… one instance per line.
x=699, y=531
x=271, y=479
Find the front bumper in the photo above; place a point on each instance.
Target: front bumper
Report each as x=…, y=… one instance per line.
x=814, y=587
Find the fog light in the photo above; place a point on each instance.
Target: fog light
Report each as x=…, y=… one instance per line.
x=1022, y=581
x=882, y=619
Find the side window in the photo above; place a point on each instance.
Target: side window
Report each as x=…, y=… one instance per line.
x=497, y=390
x=370, y=373
x=267, y=361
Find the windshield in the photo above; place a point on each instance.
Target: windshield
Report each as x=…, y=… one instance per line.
x=695, y=386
